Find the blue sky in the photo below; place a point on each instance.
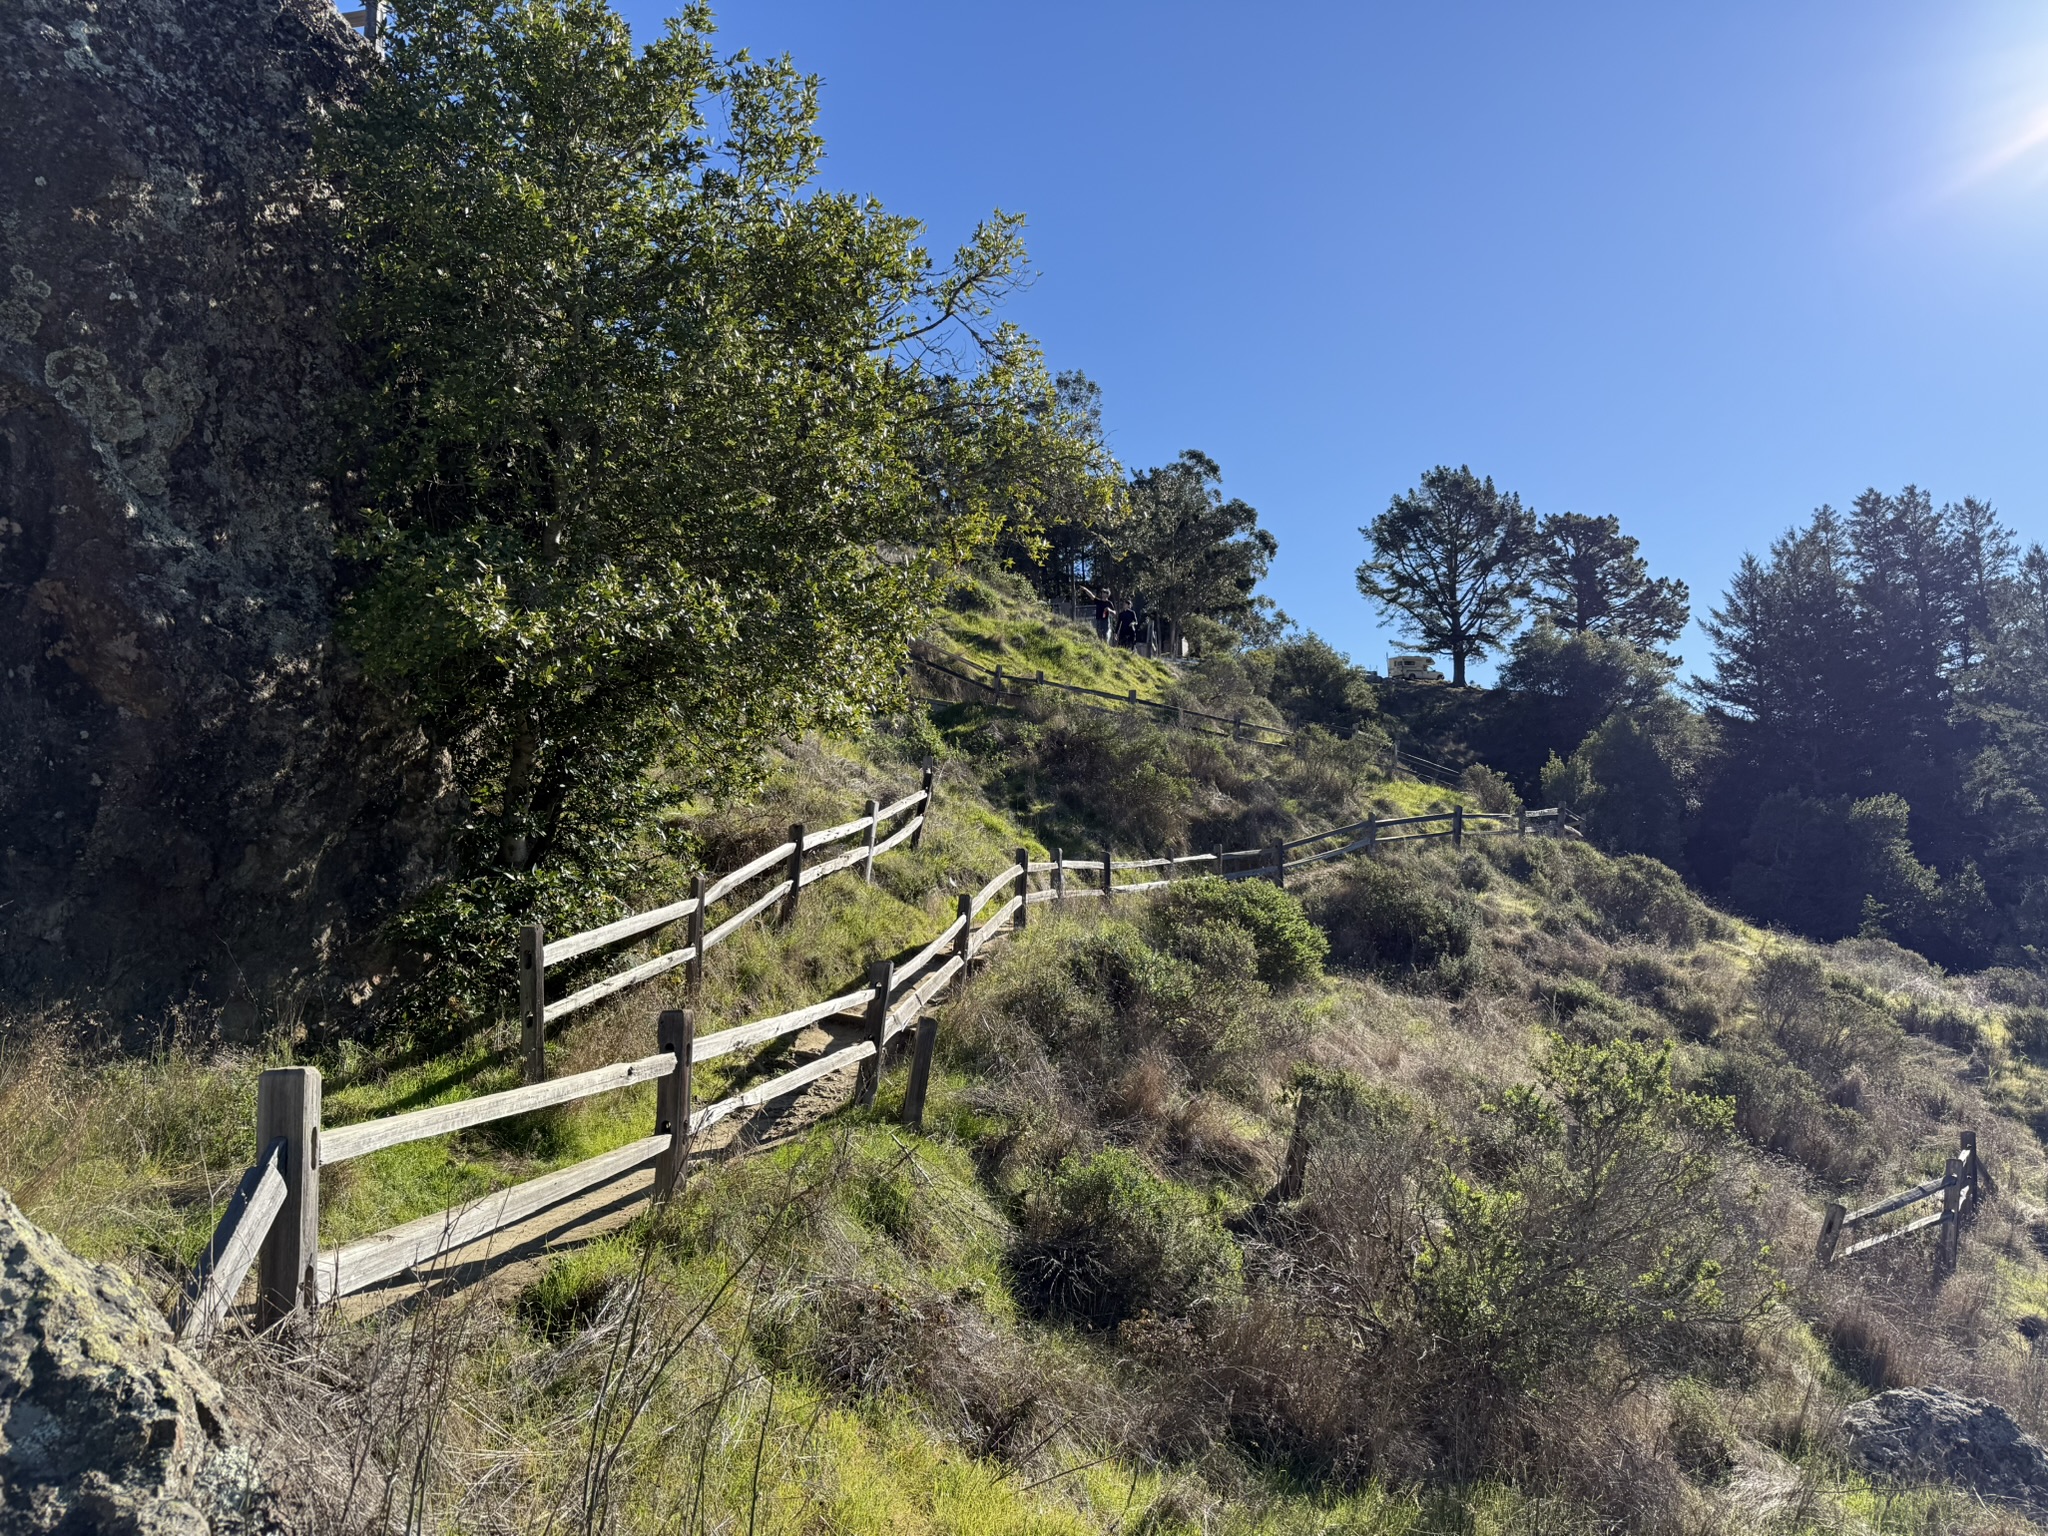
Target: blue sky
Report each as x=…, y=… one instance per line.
x=1702, y=267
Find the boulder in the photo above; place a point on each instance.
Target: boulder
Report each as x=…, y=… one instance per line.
x=105, y=1424
x=196, y=797
x=1927, y=1434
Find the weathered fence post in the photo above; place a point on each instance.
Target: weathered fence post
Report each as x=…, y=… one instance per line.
x=1059, y=874
x=867, y=864
x=1951, y=1219
x=1280, y=864
x=1830, y=1231
x=1521, y=821
x=1219, y=861
x=1237, y=727
x=693, y=968
x=794, y=874
x=1981, y=1186
x=1372, y=834
x=920, y=1072
x=999, y=685
x=924, y=810
x=533, y=1000
x=1108, y=875
x=963, y=949
x=1457, y=826
x=1023, y=888
x=1134, y=698
x=676, y=1033
x=288, y=1110
x=882, y=977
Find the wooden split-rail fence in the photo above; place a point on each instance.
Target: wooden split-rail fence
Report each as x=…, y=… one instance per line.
x=1961, y=1187
x=272, y=1223
x=793, y=859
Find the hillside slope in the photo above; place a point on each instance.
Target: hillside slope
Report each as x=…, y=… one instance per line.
x=1450, y=1190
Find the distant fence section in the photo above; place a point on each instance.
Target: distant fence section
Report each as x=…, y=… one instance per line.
x=1962, y=1187
x=1011, y=690
x=272, y=1223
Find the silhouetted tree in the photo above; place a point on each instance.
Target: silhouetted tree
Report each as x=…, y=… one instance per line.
x=1451, y=558
x=1188, y=552
x=1589, y=577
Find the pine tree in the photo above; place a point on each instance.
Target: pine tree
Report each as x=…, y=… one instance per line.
x=1451, y=559
x=1590, y=578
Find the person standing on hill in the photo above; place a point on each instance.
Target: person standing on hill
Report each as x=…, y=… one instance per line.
x=1105, y=607
x=1127, y=628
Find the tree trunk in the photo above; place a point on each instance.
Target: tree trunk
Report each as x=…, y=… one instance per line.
x=515, y=840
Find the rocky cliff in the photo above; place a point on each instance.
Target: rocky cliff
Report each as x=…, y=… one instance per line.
x=194, y=797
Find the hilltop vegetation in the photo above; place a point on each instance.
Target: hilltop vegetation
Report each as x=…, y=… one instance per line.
x=1445, y=1191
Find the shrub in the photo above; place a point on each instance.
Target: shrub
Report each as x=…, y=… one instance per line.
x=1385, y=916
x=1289, y=948
x=1946, y=1025
x=1638, y=896
x=1779, y=1108
x=1593, y=1221
x=1106, y=1239
x=1822, y=1022
x=2014, y=988
x=2026, y=1030
x=1492, y=790
x=1132, y=995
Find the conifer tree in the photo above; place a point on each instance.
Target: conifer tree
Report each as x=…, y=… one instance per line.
x=1591, y=578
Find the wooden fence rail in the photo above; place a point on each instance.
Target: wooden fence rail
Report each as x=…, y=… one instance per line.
x=1961, y=1187
x=537, y=952
x=273, y=1220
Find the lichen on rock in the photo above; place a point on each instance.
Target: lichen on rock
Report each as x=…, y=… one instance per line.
x=105, y=1424
x=1929, y=1434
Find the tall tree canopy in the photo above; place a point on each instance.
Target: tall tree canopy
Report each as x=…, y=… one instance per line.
x=1187, y=551
x=663, y=444
x=1590, y=577
x=1451, y=559
x=1867, y=662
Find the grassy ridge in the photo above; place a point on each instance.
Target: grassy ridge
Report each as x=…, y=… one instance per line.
x=1084, y=1299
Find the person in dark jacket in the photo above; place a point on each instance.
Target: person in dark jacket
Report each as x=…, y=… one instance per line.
x=1105, y=610
x=1127, y=628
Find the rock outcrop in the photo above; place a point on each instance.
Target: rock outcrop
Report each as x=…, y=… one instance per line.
x=194, y=798
x=1932, y=1435
x=105, y=1425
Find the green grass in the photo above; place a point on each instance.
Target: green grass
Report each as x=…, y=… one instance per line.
x=994, y=625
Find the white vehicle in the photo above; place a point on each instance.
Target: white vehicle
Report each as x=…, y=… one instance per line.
x=1413, y=669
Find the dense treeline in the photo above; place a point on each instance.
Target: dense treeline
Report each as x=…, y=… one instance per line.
x=1867, y=751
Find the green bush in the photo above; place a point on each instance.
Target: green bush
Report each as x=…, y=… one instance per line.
x=1592, y=1220
x=1703, y=1438
x=2026, y=1030
x=1289, y=948
x=1387, y=916
x=1638, y=896
x=1106, y=1239
x=1823, y=1022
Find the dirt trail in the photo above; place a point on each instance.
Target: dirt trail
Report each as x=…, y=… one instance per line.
x=507, y=1260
